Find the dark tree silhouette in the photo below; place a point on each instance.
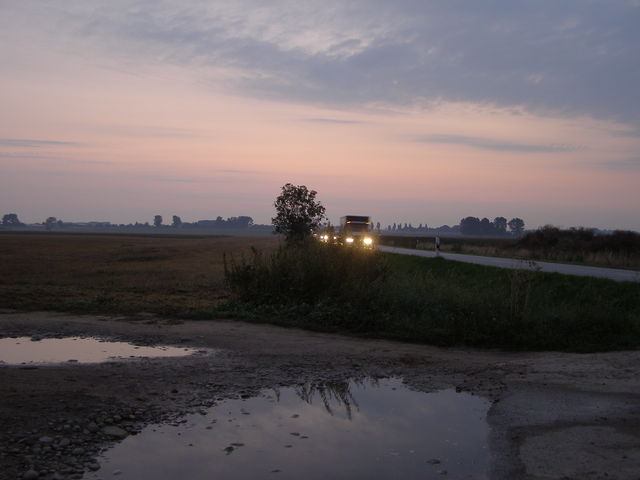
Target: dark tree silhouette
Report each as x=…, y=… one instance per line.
x=500, y=224
x=50, y=222
x=243, y=221
x=176, y=221
x=486, y=227
x=470, y=226
x=11, y=220
x=157, y=221
x=298, y=213
x=516, y=225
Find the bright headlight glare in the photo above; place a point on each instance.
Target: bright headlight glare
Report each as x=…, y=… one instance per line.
x=368, y=240
x=349, y=239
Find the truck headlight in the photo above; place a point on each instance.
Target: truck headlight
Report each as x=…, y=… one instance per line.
x=349, y=239
x=367, y=241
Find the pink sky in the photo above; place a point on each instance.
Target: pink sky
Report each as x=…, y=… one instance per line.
x=90, y=131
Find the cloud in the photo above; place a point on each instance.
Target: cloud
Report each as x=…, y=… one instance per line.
x=570, y=58
x=332, y=120
x=241, y=172
x=624, y=164
x=31, y=143
x=58, y=158
x=152, y=131
x=632, y=133
x=494, y=145
x=227, y=175
x=25, y=155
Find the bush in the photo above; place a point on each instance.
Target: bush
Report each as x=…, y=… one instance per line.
x=327, y=282
x=335, y=288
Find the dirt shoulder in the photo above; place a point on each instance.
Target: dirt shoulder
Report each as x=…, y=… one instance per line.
x=553, y=415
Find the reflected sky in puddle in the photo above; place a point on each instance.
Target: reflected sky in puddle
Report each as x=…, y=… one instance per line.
x=23, y=350
x=344, y=430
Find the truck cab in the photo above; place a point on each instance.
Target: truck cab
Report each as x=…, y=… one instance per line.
x=356, y=230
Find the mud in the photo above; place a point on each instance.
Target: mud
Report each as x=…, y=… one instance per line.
x=553, y=415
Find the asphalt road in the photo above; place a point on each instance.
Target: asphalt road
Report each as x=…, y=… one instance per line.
x=580, y=270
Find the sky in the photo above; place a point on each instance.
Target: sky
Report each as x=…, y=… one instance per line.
x=417, y=111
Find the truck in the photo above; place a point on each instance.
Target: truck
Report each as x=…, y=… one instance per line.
x=356, y=230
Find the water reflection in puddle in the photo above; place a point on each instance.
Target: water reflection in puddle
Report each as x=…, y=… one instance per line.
x=345, y=430
x=76, y=349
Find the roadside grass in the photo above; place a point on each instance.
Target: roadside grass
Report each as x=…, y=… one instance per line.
x=358, y=292
x=89, y=273
x=619, y=250
x=434, y=300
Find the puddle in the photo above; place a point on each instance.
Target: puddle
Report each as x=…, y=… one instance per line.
x=23, y=350
x=345, y=430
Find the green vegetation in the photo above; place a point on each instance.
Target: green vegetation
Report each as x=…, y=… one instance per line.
x=618, y=250
x=298, y=214
x=320, y=287
x=332, y=288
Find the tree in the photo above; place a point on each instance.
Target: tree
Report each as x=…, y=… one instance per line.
x=500, y=224
x=11, y=220
x=516, y=225
x=244, y=222
x=50, y=222
x=486, y=227
x=298, y=213
x=157, y=221
x=470, y=226
x=176, y=222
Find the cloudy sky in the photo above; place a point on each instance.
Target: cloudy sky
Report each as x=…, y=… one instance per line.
x=421, y=111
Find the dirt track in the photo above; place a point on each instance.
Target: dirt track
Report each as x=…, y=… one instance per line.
x=554, y=416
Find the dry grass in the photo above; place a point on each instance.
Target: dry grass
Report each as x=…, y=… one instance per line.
x=496, y=247
x=117, y=273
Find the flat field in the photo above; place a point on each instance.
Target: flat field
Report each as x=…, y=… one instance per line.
x=116, y=273
x=392, y=296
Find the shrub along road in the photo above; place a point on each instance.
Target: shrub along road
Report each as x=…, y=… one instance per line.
x=515, y=264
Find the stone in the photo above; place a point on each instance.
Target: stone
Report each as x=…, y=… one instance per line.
x=94, y=466
x=115, y=432
x=45, y=440
x=92, y=427
x=30, y=475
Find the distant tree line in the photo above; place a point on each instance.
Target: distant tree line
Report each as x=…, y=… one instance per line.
x=486, y=228
x=241, y=222
x=421, y=228
x=236, y=223
x=473, y=226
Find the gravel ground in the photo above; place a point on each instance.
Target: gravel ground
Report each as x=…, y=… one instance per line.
x=553, y=415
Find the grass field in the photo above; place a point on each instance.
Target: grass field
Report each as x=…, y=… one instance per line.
x=169, y=275
x=345, y=290
x=436, y=301
x=561, y=248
